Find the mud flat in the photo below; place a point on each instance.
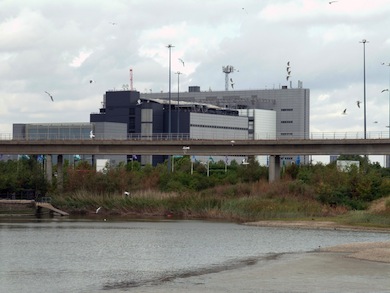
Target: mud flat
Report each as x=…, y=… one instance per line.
x=357, y=268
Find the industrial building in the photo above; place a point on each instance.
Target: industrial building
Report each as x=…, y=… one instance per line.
x=291, y=105
x=149, y=118
x=195, y=114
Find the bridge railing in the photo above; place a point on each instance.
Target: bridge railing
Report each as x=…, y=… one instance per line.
x=208, y=136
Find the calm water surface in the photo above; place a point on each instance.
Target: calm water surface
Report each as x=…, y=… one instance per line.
x=63, y=255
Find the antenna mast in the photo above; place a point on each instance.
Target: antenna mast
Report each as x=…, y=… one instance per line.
x=131, y=79
x=227, y=70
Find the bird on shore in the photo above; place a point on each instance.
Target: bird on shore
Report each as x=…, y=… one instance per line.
x=51, y=97
x=98, y=209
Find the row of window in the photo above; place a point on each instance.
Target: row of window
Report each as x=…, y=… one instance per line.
x=216, y=126
x=287, y=121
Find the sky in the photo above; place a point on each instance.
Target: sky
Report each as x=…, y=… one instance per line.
x=60, y=46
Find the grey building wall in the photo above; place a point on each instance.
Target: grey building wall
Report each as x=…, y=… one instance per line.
x=292, y=105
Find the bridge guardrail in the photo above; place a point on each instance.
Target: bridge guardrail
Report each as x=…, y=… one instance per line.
x=187, y=136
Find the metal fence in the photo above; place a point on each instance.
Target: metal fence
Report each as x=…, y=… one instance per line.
x=187, y=136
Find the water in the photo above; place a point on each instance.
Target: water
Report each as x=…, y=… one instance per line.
x=62, y=255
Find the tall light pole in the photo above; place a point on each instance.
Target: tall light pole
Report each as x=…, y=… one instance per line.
x=178, y=100
x=388, y=90
x=364, y=41
x=387, y=164
x=169, y=106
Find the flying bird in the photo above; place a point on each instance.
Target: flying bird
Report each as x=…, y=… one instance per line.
x=51, y=97
x=330, y=2
x=91, y=135
x=345, y=112
x=113, y=23
x=126, y=193
x=288, y=76
x=385, y=90
x=358, y=103
x=91, y=81
x=182, y=62
x=98, y=209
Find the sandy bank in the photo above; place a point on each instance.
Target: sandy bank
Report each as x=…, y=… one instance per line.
x=377, y=251
x=315, y=225
x=315, y=272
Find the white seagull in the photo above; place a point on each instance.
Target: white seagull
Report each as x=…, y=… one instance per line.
x=98, y=209
x=51, y=97
x=91, y=135
x=182, y=62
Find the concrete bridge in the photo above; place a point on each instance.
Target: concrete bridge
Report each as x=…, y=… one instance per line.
x=200, y=147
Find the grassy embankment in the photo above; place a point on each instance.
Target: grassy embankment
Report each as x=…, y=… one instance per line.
x=240, y=203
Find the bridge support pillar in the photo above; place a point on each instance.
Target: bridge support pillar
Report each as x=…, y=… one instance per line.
x=49, y=169
x=60, y=173
x=274, y=168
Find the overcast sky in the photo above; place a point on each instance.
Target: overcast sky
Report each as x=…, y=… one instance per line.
x=58, y=46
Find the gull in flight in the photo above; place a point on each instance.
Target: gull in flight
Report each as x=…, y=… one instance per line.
x=182, y=62
x=385, y=90
x=91, y=135
x=345, y=112
x=126, y=193
x=98, y=209
x=358, y=103
x=51, y=97
x=330, y=2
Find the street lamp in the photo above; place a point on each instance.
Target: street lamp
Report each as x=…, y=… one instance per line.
x=388, y=90
x=178, y=100
x=169, y=110
x=364, y=41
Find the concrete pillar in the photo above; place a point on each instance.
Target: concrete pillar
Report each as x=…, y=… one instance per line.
x=49, y=169
x=274, y=168
x=60, y=173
